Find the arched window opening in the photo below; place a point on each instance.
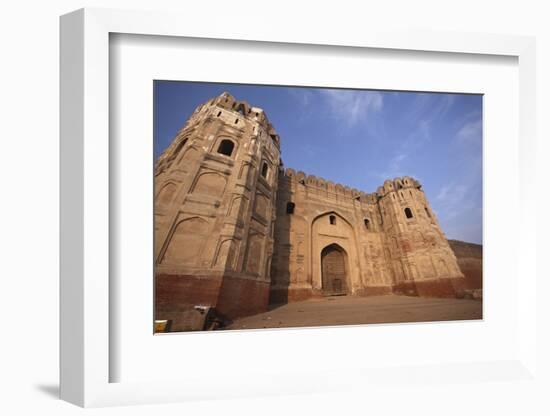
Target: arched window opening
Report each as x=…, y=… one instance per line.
x=408, y=213
x=264, y=170
x=367, y=223
x=428, y=212
x=226, y=147
x=290, y=207
x=332, y=219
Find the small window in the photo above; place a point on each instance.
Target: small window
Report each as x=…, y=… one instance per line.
x=332, y=219
x=264, y=170
x=290, y=207
x=408, y=213
x=367, y=224
x=219, y=114
x=236, y=120
x=226, y=147
x=428, y=212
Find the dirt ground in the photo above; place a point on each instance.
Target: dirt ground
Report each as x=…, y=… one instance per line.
x=341, y=310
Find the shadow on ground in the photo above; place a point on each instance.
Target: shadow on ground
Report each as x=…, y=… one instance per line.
x=51, y=390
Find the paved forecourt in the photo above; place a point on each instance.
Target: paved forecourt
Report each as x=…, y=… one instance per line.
x=342, y=310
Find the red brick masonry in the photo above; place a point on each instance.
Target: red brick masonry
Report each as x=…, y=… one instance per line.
x=242, y=297
x=440, y=288
x=176, y=297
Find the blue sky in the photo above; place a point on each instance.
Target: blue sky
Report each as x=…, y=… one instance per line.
x=359, y=138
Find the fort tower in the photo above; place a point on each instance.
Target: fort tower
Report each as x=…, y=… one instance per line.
x=215, y=187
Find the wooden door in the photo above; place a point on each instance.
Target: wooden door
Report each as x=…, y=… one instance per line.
x=333, y=266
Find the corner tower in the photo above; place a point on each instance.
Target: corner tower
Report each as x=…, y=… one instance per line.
x=215, y=190
x=421, y=259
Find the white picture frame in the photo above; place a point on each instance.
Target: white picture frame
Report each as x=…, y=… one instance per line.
x=86, y=355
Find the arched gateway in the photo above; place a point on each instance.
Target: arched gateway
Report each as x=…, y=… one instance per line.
x=334, y=270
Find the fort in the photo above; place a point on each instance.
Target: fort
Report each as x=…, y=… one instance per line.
x=236, y=232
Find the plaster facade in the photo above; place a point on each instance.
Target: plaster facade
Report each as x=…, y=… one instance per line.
x=235, y=231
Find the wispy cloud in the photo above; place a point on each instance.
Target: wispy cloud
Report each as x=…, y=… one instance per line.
x=351, y=107
x=302, y=95
x=399, y=166
x=395, y=168
x=427, y=111
x=429, y=106
x=304, y=102
x=309, y=150
x=452, y=194
x=458, y=208
x=470, y=132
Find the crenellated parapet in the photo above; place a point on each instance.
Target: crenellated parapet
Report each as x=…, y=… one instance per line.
x=405, y=182
x=226, y=104
x=400, y=183
x=301, y=178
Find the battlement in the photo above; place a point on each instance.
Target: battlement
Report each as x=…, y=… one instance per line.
x=405, y=182
x=328, y=186
x=396, y=184
x=227, y=102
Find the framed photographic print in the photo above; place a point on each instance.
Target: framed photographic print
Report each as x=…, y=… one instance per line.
x=240, y=214
x=244, y=242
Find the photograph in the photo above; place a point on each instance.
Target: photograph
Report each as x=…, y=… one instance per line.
x=293, y=206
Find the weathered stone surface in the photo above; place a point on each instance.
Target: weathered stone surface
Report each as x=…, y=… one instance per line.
x=235, y=231
x=354, y=310
x=470, y=261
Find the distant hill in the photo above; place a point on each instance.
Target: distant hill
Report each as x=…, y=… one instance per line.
x=470, y=261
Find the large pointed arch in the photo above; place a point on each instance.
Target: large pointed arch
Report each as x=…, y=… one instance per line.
x=327, y=228
x=334, y=270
